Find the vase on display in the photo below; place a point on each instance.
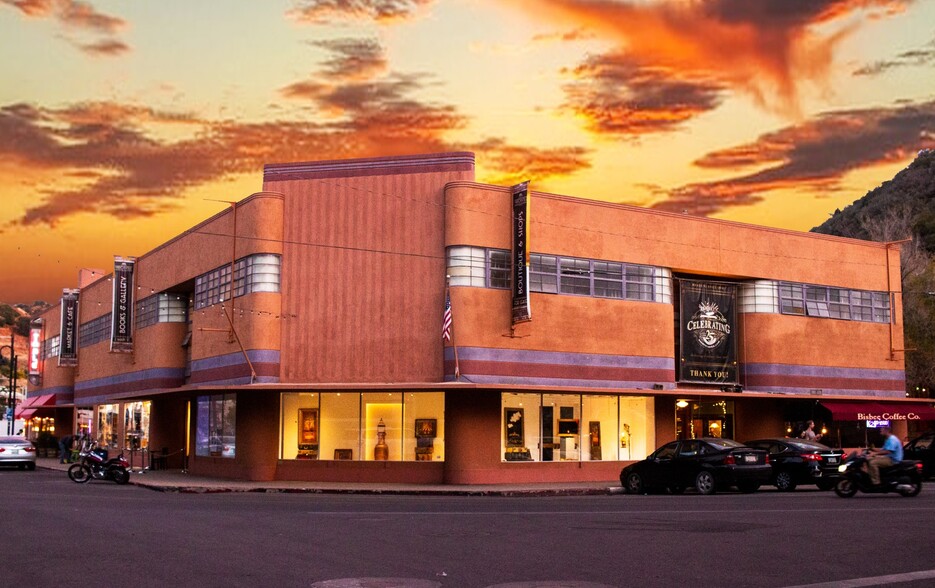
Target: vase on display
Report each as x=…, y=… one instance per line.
x=381, y=452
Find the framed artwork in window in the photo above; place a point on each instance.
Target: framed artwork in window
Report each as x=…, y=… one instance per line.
x=513, y=427
x=308, y=426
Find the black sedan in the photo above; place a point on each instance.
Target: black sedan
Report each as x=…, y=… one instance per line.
x=703, y=464
x=797, y=461
x=922, y=449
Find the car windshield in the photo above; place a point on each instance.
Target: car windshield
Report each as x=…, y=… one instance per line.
x=724, y=443
x=808, y=446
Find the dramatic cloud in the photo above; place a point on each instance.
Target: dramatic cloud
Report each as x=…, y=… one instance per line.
x=78, y=16
x=505, y=164
x=353, y=59
x=616, y=95
x=915, y=57
x=383, y=11
x=763, y=47
x=815, y=154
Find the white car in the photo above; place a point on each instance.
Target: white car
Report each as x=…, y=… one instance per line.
x=17, y=451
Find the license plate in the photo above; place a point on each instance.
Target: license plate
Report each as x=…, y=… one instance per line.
x=749, y=459
x=832, y=460
x=16, y=452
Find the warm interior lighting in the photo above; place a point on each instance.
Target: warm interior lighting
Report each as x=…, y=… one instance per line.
x=681, y=403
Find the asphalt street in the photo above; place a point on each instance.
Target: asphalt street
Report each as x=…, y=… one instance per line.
x=58, y=533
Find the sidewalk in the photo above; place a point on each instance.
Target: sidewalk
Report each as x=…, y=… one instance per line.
x=180, y=481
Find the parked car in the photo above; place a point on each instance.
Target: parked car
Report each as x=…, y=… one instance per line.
x=17, y=451
x=797, y=461
x=705, y=464
x=922, y=449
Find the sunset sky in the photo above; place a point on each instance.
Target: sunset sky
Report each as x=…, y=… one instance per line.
x=120, y=120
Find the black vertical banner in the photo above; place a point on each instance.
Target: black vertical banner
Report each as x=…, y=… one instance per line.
x=121, y=323
x=708, y=316
x=68, y=341
x=521, y=310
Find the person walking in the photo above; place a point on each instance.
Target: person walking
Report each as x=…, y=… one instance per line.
x=64, y=448
x=809, y=433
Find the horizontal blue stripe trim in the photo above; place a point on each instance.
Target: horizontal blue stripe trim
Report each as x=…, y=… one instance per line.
x=561, y=358
x=781, y=390
x=239, y=381
x=555, y=382
x=782, y=369
x=150, y=374
x=229, y=359
x=53, y=390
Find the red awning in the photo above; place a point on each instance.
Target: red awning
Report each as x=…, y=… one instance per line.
x=879, y=411
x=25, y=414
x=40, y=401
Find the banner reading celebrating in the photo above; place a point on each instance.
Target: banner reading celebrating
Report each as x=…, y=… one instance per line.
x=121, y=324
x=708, y=338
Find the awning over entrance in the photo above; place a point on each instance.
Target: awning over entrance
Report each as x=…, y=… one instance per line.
x=25, y=414
x=38, y=401
x=879, y=411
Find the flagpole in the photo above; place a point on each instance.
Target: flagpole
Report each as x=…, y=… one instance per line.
x=452, y=328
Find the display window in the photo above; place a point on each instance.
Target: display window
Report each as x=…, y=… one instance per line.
x=573, y=427
x=136, y=424
x=107, y=420
x=215, y=426
x=368, y=426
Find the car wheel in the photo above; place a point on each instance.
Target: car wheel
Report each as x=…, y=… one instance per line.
x=784, y=482
x=845, y=488
x=634, y=484
x=748, y=487
x=825, y=484
x=705, y=483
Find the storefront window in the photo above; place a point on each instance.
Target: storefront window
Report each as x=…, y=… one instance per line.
x=215, y=434
x=520, y=436
x=369, y=426
x=571, y=427
x=136, y=424
x=107, y=415
x=695, y=419
x=637, y=433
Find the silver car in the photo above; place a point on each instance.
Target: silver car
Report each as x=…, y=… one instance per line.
x=17, y=451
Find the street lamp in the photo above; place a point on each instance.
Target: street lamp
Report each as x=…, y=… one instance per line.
x=12, y=397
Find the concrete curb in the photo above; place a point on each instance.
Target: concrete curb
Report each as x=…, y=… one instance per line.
x=212, y=486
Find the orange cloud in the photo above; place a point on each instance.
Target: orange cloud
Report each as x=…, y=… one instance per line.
x=383, y=11
x=501, y=163
x=81, y=16
x=816, y=154
x=764, y=47
x=353, y=59
x=614, y=94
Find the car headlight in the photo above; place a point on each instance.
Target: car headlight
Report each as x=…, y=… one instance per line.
x=842, y=468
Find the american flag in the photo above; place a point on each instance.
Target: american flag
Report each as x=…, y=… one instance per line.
x=446, y=319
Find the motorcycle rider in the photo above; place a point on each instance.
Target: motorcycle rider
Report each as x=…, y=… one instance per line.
x=891, y=453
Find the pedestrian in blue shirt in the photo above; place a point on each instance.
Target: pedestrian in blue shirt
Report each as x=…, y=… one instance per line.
x=891, y=453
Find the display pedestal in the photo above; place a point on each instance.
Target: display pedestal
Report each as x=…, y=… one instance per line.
x=569, y=448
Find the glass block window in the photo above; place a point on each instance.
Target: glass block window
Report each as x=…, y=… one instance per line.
x=51, y=347
x=94, y=331
x=260, y=272
x=759, y=296
x=479, y=267
x=164, y=307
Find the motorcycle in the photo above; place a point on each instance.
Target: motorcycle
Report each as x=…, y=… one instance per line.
x=95, y=465
x=904, y=477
